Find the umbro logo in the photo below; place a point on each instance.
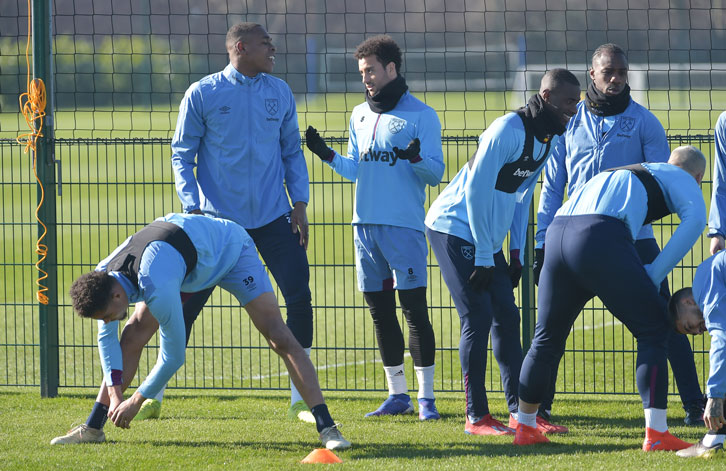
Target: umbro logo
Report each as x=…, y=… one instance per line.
x=225, y=109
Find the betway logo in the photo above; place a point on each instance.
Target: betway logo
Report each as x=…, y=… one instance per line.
x=522, y=173
x=380, y=156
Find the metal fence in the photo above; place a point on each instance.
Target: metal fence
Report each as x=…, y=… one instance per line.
x=118, y=70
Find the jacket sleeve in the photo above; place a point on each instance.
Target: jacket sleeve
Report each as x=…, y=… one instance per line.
x=653, y=141
x=430, y=168
x=553, y=190
x=716, y=384
x=296, y=169
x=347, y=166
x=190, y=129
x=718, y=196
x=518, y=230
x=109, y=349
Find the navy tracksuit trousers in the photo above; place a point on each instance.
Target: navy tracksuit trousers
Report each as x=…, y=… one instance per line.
x=587, y=256
x=481, y=312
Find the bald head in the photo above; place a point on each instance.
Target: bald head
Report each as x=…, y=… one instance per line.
x=689, y=159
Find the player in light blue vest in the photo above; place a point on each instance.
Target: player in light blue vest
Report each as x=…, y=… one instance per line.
x=394, y=152
x=693, y=311
x=717, y=216
x=190, y=253
x=591, y=252
x=467, y=225
x=611, y=130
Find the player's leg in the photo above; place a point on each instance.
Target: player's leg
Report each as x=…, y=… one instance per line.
x=456, y=261
x=627, y=291
x=405, y=251
x=375, y=281
x=249, y=283
x=559, y=302
x=680, y=353
x=287, y=261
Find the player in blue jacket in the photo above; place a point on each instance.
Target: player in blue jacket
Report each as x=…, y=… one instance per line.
x=717, y=216
x=591, y=252
x=467, y=225
x=693, y=311
x=238, y=128
x=182, y=252
x=394, y=151
x=611, y=130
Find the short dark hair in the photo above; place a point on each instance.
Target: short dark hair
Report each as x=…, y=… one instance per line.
x=555, y=78
x=383, y=47
x=91, y=292
x=610, y=48
x=674, y=302
x=239, y=32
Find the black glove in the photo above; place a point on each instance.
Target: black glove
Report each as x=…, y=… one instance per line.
x=409, y=153
x=317, y=145
x=515, y=267
x=537, y=264
x=481, y=277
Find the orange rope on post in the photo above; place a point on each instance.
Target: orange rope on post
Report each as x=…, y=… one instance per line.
x=32, y=105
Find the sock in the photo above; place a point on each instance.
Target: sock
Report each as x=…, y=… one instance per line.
x=294, y=393
x=396, y=379
x=656, y=419
x=322, y=417
x=98, y=417
x=529, y=420
x=160, y=395
x=515, y=415
x=712, y=438
x=425, y=377
x=474, y=419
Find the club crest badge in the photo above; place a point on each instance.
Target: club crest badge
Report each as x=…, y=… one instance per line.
x=627, y=123
x=467, y=251
x=396, y=125
x=272, y=105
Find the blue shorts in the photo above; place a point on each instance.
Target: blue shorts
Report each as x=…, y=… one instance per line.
x=248, y=279
x=389, y=257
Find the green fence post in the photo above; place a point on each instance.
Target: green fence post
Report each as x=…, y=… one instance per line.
x=527, y=287
x=45, y=165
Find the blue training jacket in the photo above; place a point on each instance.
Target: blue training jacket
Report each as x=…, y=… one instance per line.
x=472, y=209
x=219, y=243
x=709, y=289
x=592, y=144
x=716, y=223
x=242, y=135
x=388, y=190
x=621, y=195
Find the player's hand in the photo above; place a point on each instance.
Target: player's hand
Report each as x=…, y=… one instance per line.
x=481, y=277
x=717, y=243
x=537, y=264
x=515, y=267
x=299, y=222
x=713, y=415
x=126, y=411
x=411, y=152
x=317, y=145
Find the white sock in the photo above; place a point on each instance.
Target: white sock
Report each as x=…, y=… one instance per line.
x=425, y=377
x=711, y=439
x=294, y=393
x=656, y=419
x=160, y=395
x=515, y=415
x=396, y=379
x=529, y=420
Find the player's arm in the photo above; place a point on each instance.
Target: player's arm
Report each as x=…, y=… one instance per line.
x=554, y=182
x=716, y=226
x=109, y=349
x=654, y=142
x=716, y=385
x=190, y=129
x=683, y=197
x=428, y=164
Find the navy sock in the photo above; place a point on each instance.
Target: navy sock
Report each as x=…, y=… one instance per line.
x=322, y=417
x=98, y=417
